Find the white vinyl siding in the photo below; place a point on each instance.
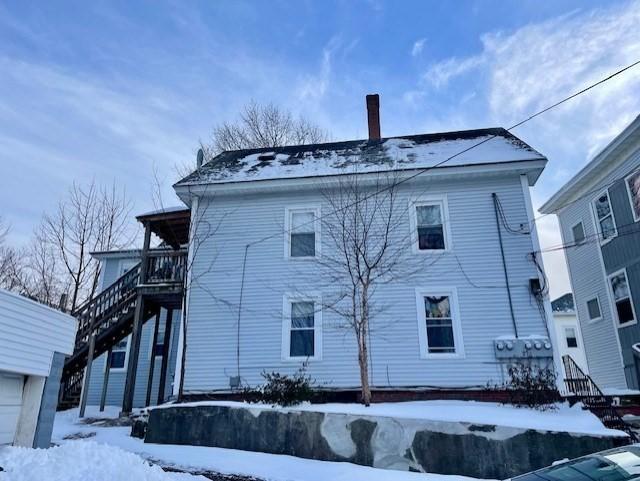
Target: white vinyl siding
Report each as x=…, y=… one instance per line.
x=395, y=345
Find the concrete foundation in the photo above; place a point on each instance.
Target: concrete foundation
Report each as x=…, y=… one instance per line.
x=481, y=451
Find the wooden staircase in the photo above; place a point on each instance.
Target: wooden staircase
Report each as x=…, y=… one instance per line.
x=581, y=388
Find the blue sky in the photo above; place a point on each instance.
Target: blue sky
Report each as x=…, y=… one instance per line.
x=114, y=90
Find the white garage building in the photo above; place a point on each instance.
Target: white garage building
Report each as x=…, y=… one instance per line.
x=34, y=340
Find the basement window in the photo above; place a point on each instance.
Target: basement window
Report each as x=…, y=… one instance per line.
x=604, y=216
x=303, y=226
x=622, y=298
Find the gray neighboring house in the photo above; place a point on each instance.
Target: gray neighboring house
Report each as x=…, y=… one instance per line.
x=34, y=340
x=449, y=327
x=114, y=264
x=599, y=214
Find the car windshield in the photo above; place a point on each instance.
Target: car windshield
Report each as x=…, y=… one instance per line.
x=615, y=465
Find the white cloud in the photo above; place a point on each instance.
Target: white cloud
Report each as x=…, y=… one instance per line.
x=439, y=74
x=418, y=46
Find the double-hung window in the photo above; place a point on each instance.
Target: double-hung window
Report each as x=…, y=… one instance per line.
x=571, y=337
x=158, y=347
x=578, y=234
x=302, y=227
x=633, y=189
x=302, y=328
x=439, y=327
x=622, y=298
x=429, y=224
x=604, y=217
x=119, y=354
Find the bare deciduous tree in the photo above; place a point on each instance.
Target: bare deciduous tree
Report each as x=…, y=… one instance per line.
x=263, y=126
x=90, y=219
x=369, y=244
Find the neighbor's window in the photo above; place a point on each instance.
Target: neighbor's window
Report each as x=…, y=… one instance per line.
x=430, y=226
x=604, y=215
x=578, y=233
x=302, y=232
x=633, y=188
x=593, y=306
x=302, y=337
x=119, y=354
x=622, y=298
x=571, y=336
x=439, y=327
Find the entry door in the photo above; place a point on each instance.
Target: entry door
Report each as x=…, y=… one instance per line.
x=10, y=405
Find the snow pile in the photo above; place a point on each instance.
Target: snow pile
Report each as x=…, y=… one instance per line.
x=79, y=461
x=564, y=418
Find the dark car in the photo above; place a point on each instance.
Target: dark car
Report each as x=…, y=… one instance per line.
x=619, y=464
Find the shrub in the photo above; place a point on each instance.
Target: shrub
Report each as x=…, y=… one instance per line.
x=531, y=386
x=282, y=389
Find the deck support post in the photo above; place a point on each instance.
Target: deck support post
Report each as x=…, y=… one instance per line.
x=165, y=356
x=152, y=360
x=138, y=321
x=87, y=375
x=105, y=380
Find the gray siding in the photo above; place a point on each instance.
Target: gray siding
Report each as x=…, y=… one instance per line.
x=483, y=305
x=47, y=414
x=589, y=264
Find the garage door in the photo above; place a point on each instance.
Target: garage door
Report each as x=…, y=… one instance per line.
x=10, y=404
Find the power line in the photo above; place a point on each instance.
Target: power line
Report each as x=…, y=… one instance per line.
x=423, y=170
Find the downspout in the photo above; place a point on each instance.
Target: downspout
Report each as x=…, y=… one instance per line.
x=504, y=264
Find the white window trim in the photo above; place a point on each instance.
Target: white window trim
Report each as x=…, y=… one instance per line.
x=636, y=218
x=126, y=359
x=613, y=299
x=566, y=341
x=595, y=319
x=413, y=223
x=288, y=212
x=316, y=298
x=584, y=233
x=596, y=220
x=452, y=293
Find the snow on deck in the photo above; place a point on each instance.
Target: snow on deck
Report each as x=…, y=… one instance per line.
x=270, y=467
x=562, y=419
x=362, y=156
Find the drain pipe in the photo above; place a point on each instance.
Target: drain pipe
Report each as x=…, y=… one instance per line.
x=504, y=264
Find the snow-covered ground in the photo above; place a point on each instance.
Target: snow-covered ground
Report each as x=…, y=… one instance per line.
x=228, y=461
x=562, y=418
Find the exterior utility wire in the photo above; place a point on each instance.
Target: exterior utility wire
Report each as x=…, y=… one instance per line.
x=504, y=264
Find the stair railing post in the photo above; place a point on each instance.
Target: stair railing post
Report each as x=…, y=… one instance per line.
x=165, y=356
x=132, y=367
x=152, y=361
x=90, y=353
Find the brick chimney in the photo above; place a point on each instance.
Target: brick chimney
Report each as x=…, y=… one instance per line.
x=373, y=116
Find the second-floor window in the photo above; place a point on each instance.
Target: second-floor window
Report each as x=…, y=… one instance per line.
x=429, y=225
x=633, y=188
x=622, y=298
x=578, y=233
x=571, y=336
x=303, y=232
x=604, y=217
x=593, y=307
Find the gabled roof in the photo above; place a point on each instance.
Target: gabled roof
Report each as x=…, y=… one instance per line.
x=363, y=156
x=596, y=170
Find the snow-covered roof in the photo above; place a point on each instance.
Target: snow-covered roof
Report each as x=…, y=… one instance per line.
x=496, y=145
x=563, y=303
